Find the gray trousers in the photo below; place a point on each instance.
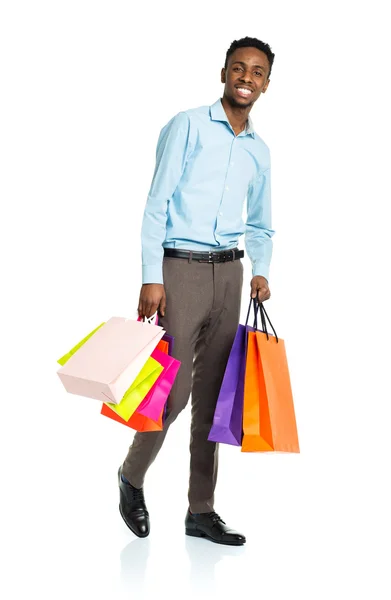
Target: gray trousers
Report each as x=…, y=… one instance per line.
x=202, y=313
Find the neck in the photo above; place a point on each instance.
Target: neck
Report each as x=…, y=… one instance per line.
x=237, y=115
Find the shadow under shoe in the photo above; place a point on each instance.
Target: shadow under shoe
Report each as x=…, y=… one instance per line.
x=212, y=527
x=132, y=507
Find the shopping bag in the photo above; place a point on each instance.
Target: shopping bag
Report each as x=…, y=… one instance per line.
x=106, y=362
x=147, y=405
x=163, y=346
x=227, y=421
x=136, y=421
x=139, y=388
x=68, y=355
x=166, y=337
x=269, y=422
x=170, y=340
x=154, y=402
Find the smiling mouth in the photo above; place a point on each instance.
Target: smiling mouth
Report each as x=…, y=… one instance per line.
x=243, y=92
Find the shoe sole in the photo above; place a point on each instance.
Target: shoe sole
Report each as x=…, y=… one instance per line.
x=201, y=534
x=125, y=521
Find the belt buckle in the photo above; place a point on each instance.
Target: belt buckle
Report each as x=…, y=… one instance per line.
x=210, y=259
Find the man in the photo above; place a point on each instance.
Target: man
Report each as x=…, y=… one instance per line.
x=208, y=160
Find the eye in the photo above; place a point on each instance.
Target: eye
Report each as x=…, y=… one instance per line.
x=258, y=73
x=237, y=68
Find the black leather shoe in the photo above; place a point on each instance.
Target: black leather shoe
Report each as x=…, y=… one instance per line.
x=132, y=507
x=212, y=527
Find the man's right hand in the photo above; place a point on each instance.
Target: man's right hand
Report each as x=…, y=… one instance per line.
x=152, y=298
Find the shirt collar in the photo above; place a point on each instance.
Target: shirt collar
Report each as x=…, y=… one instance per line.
x=217, y=113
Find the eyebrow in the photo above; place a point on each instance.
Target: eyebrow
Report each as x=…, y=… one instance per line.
x=243, y=63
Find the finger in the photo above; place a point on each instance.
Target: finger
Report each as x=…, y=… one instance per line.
x=162, y=307
x=151, y=309
x=145, y=305
x=148, y=310
x=253, y=290
x=263, y=294
x=145, y=309
x=140, y=308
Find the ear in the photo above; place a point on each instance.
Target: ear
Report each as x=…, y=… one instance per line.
x=223, y=75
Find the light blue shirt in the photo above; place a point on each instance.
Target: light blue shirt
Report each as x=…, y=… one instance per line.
x=203, y=175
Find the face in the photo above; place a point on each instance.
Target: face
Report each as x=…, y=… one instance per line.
x=246, y=76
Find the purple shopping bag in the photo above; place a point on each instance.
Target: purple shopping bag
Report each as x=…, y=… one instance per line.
x=227, y=425
x=170, y=340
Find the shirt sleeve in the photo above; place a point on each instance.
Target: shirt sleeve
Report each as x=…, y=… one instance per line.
x=258, y=232
x=171, y=155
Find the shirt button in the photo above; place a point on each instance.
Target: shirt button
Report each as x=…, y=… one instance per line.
x=226, y=187
x=232, y=163
x=221, y=214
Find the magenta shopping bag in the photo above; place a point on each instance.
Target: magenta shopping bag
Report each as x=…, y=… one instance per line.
x=168, y=338
x=155, y=400
x=227, y=425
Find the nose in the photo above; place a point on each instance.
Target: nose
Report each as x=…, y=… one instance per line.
x=246, y=77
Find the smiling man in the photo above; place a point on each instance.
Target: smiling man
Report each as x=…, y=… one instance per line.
x=209, y=160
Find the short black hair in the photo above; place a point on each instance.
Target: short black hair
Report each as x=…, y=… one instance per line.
x=247, y=42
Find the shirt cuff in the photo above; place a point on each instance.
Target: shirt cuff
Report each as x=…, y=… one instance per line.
x=152, y=273
x=261, y=270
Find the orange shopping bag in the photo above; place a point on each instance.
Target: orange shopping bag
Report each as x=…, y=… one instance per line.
x=269, y=421
x=137, y=421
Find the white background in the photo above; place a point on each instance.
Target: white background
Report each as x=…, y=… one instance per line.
x=86, y=88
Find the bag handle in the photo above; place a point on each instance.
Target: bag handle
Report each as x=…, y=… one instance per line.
x=153, y=320
x=252, y=303
x=255, y=305
x=263, y=319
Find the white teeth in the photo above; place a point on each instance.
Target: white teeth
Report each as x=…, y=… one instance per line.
x=244, y=91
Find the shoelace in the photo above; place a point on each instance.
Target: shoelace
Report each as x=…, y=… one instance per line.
x=215, y=518
x=138, y=494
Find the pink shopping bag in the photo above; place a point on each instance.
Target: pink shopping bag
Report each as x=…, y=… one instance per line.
x=107, y=364
x=154, y=401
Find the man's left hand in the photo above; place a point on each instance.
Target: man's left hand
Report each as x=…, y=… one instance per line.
x=260, y=288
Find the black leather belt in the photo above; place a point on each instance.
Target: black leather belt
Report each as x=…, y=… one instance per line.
x=205, y=257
